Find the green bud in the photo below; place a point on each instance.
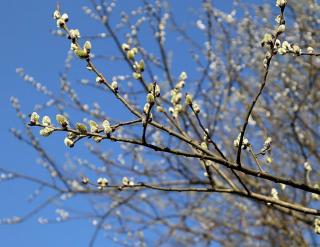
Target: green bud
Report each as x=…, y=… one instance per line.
x=130, y=55
x=81, y=128
x=94, y=128
x=62, y=120
x=72, y=135
x=188, y=99
x=267, y=39
x=141, y=65
x=183, y=76
x=82, y=54
x=106, y=127
x=150, y=98
x=136, y=75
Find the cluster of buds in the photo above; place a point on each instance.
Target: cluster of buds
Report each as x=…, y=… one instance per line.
x=176, y=95
x=61, y=19
x=289, y=48
x=129, y=52
x=245, y=142
x=74, y=35
x=137, y=66
x=153, y=93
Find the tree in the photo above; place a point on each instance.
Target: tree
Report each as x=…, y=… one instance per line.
x=223, y=151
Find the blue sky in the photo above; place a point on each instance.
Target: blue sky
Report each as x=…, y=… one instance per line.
x=27, y=42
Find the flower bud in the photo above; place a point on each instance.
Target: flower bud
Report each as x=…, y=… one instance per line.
x=114, y=86
x=46, y=131
x=94, y=128
x=125, y=47
x=62, y=120
x=68, y=142
x=141, y=65
x=125, y=181
x=204, y=145
x=34, y=118
x=87, y=46
x=85, y=180
x=74, y=34
x=82, y=54
x=130, y=55
x=99, y=79
x=136, y=75
x=106, y=127
x=267, y=39
x=146, y=108
x=97, y=139
x=296, y=49
x=81, y=128
x=60, y=23
x=65, y=17
x=310, y=50
x=188, y=99
x=160, y=109
x=102, y=182
x=196, y=108
x=281, y=29
x=183, y=76
x=281, y=3
x=74, y=47
x=56, y=14
x=150, y=98
x=46, y=121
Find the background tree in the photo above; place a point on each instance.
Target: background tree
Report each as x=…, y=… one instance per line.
x=213, y=141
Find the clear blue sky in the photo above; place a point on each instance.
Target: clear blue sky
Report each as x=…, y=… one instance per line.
x=26, y=42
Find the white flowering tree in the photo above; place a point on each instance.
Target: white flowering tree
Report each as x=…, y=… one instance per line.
x=224, y=151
